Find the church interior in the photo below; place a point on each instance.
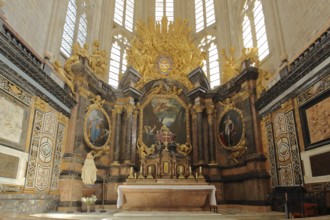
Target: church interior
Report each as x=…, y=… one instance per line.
x=179, y=109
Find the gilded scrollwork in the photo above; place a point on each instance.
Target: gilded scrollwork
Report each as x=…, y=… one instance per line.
x=198, y=108
x=143, y=150
x=262, y=81
x=230, y=67
x=227, y=104
x=184, y=149
x=164, y=50
x=41, y=104
x=129, y=108
x=84, y=92
x=163, y=88
x=251, y=55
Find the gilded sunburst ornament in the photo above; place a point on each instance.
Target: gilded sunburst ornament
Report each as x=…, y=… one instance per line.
x=164, y=50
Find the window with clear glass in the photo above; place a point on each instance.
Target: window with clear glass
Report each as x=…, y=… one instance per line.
x=253, y=28
x=211, y=66
x=124, y=13
x=75, y=27
x=204, y=14
x=164, y=8
x=118, y=62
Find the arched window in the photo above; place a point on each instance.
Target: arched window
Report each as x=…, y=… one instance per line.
x=211, y=65
x=124, y=13
x=164, y=8
x=253, y=28
x=118, y=62
x=204, y=14
x=73, y=32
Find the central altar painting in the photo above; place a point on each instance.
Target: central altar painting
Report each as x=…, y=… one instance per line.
x=164, y=140
x=163, y=113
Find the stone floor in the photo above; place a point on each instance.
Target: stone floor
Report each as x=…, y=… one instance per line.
x=116, y=214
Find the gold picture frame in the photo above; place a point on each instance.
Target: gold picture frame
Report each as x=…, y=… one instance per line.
x=231, y=129
x=97, y=127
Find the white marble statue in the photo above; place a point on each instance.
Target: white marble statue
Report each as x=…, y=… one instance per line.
x=88, y=174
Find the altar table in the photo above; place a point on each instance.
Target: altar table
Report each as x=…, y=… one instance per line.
x=166, y=197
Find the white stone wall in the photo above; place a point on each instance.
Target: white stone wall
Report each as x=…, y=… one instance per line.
x=30, y=19
x=301, y=21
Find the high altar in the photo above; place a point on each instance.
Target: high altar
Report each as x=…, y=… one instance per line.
x=162, y=138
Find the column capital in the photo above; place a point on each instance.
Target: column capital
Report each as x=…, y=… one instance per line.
x=210, y=109
x=129, y=108
x=118, y=109
x=198, y=108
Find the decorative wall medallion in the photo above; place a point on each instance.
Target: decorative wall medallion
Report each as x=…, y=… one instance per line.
x=283, y=149
x=46, y=149
x=164, y=64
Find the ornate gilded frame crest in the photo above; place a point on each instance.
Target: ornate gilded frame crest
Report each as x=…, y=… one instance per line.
x=231, y=132
x=97, y=127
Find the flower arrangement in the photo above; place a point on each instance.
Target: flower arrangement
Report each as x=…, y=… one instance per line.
x=89, y=200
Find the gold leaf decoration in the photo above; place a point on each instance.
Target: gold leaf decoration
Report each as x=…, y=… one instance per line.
x=164, y=50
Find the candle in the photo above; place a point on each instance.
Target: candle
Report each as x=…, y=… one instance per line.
x=190, y=169
x=131, y=170
x=200, y=169
x=196, y=175
x=135, y=175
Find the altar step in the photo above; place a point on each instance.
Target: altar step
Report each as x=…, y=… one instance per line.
x=141, y=215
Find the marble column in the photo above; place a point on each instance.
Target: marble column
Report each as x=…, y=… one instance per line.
x=134, y=132
x=128, y=143
x=210, y=111
x=200, y=139
x=118, y=109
